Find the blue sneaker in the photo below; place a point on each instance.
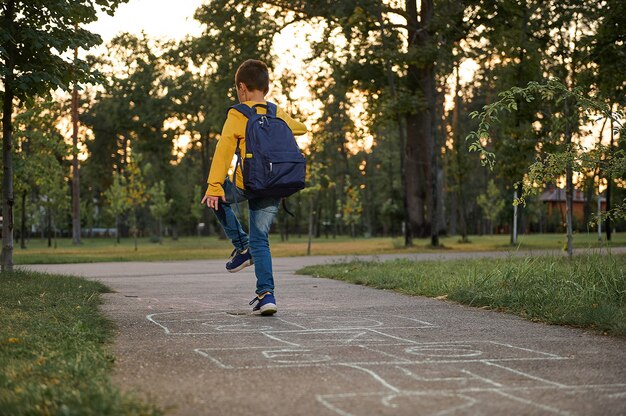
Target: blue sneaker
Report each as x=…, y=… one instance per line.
x=266, y=304
x=239, y=260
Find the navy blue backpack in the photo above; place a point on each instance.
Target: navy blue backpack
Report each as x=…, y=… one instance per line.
x=273, y=164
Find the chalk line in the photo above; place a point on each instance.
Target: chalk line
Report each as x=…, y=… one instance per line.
x=521, y=373
x=532, y=403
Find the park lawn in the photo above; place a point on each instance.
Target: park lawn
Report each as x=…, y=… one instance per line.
x=54, y=357
x=587, y=291
x=200, y=248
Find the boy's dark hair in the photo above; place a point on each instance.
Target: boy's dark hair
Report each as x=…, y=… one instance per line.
x=254, y=74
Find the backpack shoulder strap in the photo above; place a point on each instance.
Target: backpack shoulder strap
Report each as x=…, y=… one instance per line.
x=247, y=112
x=270, y=109
x=242, y=108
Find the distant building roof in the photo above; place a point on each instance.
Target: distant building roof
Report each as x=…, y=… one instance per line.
x=558, y=195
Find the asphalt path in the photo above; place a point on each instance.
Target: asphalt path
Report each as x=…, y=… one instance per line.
x=187, y=342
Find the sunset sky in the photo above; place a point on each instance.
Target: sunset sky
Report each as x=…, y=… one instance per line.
x=156, y=17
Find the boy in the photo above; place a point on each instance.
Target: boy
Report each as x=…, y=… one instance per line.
x=252, y=85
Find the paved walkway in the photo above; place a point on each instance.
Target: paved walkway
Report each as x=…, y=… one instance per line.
x=187, y=342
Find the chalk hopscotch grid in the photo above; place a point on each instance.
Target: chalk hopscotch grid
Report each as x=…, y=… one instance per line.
x=386, y=397
x=449, y=353
x=385, y=358
x=248, y=325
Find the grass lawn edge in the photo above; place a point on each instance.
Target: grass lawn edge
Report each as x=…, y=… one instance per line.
x=587, y=292
x=55, y=348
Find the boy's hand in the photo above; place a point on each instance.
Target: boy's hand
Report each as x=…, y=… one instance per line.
x=212, y=201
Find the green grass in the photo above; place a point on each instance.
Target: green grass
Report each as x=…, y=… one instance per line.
x=588, y=291
x=54, y=358
x=198, y=248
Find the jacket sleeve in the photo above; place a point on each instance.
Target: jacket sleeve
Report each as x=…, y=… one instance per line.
x=296, y=127
x=223, y=156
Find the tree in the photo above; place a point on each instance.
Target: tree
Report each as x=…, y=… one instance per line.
x=159, y=206
x=33, y=38
x=352, y=209
x=492, y=203
x=117, y=195
x=136, y=191
x=56, y=202
x=197, y=209
x=39, y=154
x=317, y=180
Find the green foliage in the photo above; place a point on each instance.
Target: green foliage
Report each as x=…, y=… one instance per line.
x=54, y=357
x=352, y=209
x=55, y=199
x=159, y=204
x=552, y=165
x=136, y=186
x=491, y=202
x=39, y=146
x=197, y=208
x=34, y=37
x=607, y=51
x=117, y=195
x=38, y=168
x=130, y=110
x=136, y=191
x=589, y=291
x=233, y=31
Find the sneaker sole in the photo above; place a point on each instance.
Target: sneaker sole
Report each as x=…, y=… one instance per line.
x=241, y=266
x=266, y=310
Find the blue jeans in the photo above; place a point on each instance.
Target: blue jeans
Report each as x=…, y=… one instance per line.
x=262, y=212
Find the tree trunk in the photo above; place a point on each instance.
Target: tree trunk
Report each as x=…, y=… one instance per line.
x=454, y=209
x=569, y=183
x=318, y=217
x=75, y=173
x=7, y=183
x=609, y=186
x=458, y=168
x=205, y=154
x=598, y=214
x=7, y=149
x=408, y=235
x=569, y=193
x=520, y=76
x=49, y=226
x=419, y=143
x=135, y=229
x=514, y=228
x=311, y=221
x=435, y=205
x=117, y=228
x=23, y=222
